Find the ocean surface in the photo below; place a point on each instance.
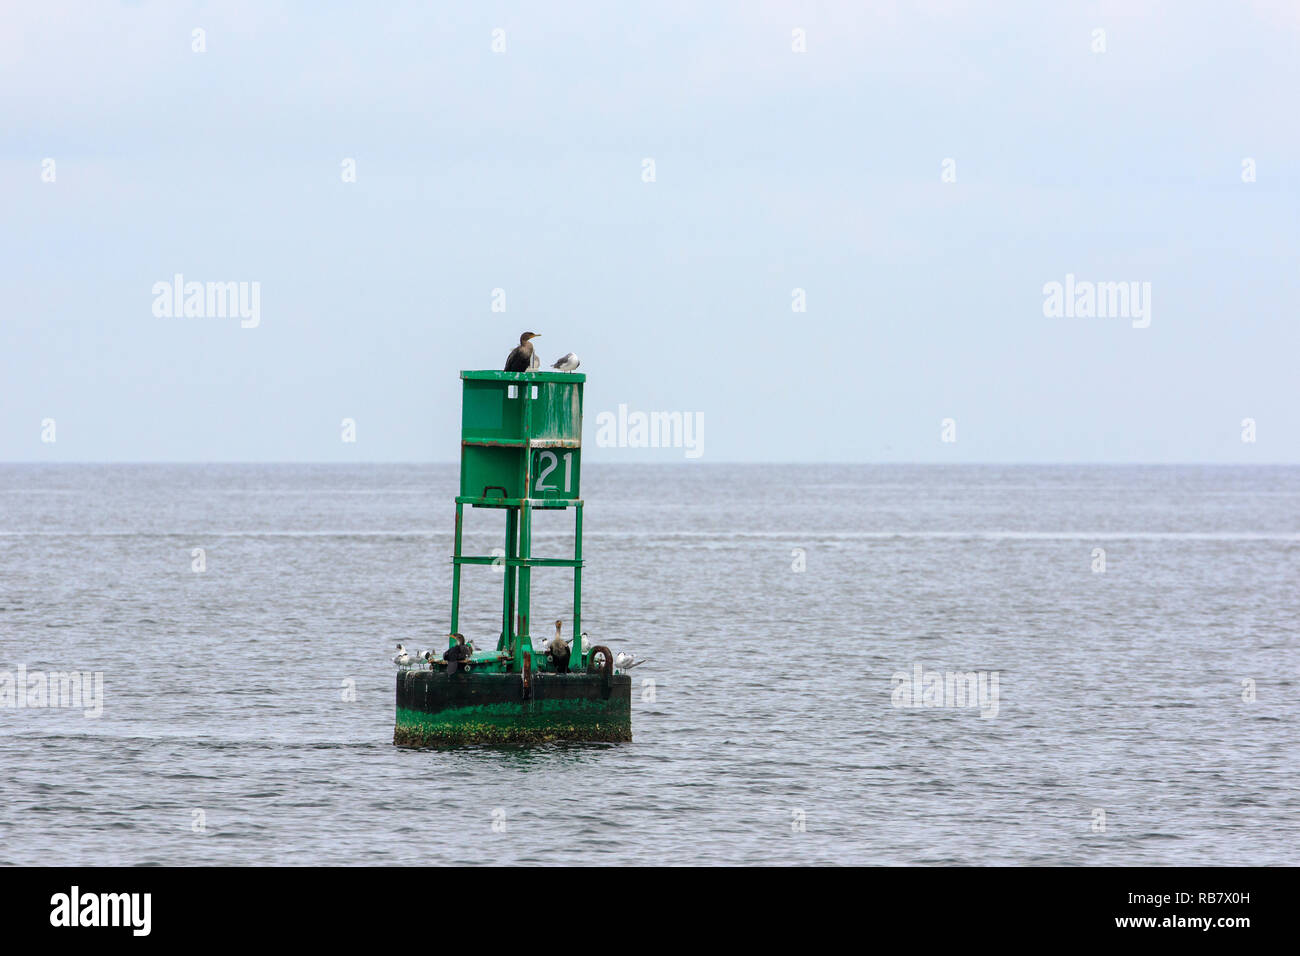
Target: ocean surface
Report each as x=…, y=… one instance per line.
x=1147, y=713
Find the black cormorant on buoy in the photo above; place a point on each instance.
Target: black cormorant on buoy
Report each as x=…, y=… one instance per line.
x=560, y=654
x=520, y=359
x=454, y=656
x=559, y=650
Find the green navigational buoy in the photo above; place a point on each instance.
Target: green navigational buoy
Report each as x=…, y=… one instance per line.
x=521, y=452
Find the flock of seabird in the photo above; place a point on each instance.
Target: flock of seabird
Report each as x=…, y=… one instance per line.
x=462, y=651
x=523, y=358
x=556, y=648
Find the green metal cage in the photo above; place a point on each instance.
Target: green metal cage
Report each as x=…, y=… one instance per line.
x=521, y=450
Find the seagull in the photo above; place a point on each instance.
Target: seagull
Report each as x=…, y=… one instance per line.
x=586, y=644
x=521, y=358
x=625, y=662
x=567, y=363
x=535, y=364
x=402, y=658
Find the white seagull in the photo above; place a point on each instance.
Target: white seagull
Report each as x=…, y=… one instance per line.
x=567, y=363
x=625, y=662
x=402, y=658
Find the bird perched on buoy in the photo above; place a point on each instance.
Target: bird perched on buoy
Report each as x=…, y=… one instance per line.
x=402, y=658
x=457, y=655
x=559, y=650
x=626, y=662
x=520, y=358
x=547, y=642
x=586, y=644
x=567, y=363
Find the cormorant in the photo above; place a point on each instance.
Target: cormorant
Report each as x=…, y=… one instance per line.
x=559, y=651
x=548, y=641
x=454, y=656
x=521, y=358
x=567, y=363
x=560, y=654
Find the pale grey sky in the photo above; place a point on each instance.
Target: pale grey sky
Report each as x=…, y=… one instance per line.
x=774, y=170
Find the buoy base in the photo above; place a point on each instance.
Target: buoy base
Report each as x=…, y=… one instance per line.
x=435, y=708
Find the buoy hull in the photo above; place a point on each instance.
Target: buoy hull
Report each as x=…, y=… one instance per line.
x=436, y=708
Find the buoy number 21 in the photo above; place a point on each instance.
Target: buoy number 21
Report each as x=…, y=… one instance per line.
x=548, y=468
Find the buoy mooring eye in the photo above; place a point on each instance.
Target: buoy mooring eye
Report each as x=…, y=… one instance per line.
x=606, y=655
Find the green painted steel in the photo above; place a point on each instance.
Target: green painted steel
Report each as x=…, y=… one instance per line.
x=521, y=437
x=490, y=708
x=521, y=451
x=438, y=707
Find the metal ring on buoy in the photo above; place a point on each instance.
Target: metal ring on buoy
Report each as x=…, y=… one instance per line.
x=609, y=659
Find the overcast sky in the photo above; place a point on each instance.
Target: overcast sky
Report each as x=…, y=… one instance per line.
x=774, y=170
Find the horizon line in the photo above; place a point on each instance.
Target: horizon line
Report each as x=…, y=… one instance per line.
x=677, y=462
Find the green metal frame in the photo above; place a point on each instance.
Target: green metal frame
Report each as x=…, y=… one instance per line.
x=551, y=418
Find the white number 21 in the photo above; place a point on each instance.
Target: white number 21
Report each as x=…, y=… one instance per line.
x=568, y=471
